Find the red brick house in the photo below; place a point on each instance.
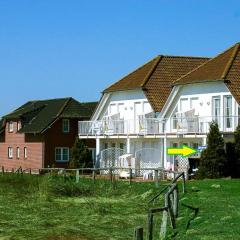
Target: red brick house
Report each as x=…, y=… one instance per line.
x=41, y=133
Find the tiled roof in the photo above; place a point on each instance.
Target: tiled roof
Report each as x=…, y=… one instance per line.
x=170, y=68
x=38, y=115
x=156, y=77
x=224, y=67
x=135, y=79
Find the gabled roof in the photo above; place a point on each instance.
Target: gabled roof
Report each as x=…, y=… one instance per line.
x=155, y=77
x=215, y=69
x=135, y=79
x=224, y=67
x=36, y=116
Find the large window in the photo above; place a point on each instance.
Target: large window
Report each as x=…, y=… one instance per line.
x=216, y=109
x=66, y=126
x=228, y=111
x=62, y=154
x=10, y=152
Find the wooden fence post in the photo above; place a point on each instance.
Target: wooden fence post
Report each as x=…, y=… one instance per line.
x=30, y=171
x=77, y=175
x=138, y=233
x=111, y=175
x=2, y=169
x=150, y=225
x=175, y=201
x=156, y=177
x=163, y=229
x=184, y=183
x=93, y=175
x=130, y=176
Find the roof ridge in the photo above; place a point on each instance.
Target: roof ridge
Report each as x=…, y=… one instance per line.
x=195, y=69
x=147, y=77
x=180, y=56
x=63, y=107
x=231, y=60
x=135, y=70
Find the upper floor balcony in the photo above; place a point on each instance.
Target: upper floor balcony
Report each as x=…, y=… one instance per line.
x=155, y=126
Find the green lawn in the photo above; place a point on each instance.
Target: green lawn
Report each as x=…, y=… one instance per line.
x=37, y=207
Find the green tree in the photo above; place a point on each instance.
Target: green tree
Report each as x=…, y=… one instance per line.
x=237, y=150
x=213, y=158
x=80, y=155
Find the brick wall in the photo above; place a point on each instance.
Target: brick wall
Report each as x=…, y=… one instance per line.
x=13, y=139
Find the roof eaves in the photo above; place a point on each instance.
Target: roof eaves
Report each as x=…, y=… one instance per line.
x=230, y=62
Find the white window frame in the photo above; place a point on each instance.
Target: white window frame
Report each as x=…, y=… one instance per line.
x=25, y=152
x=10, y=126
x=215, y=117
x=227, y=117
x=18, y=152
x=10, y=152
x=66, y=123
x=61, y=154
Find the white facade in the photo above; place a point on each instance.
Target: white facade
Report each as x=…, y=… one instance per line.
x=125, y=120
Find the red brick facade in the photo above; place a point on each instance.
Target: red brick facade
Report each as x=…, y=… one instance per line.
x=40, y=148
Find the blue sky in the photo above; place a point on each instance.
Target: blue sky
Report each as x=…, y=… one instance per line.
x=60, y=48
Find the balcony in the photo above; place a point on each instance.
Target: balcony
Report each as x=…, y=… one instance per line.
x=147, y=126
x=154, y=126
x=200, y=125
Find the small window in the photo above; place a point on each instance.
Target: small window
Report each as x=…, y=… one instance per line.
x=10, y=152
x=10, y=126
x=66, y=126
x=25, y=152
x=62, y=154
x=18, y=125
x=18, y=153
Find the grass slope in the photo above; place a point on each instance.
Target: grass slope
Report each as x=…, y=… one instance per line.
x=36, y=207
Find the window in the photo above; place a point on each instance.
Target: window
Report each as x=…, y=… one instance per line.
x=18, y=125
x=122, y=146
x=228, y=111
x=174, y=118
x=10, y=126
x=10, y=152
x=66, y=126
x=25, y=152
x=194, y=104
x=62, y=154
x=184, y=105
x=18, y=153
x=216, y=109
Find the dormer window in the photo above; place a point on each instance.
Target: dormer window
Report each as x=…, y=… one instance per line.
x=66, y=125
x=10, y=126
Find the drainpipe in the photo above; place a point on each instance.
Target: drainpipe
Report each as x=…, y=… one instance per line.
x=97, y=161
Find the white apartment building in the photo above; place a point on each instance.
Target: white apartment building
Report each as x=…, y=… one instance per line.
x=169, y=101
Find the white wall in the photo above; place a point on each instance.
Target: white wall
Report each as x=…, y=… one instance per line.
x=204, y=92
x=124, y=102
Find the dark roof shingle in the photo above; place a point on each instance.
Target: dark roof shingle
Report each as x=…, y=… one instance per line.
x=38, y=115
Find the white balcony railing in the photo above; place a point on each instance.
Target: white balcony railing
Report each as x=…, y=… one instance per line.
x=153, y=126
x=120, y=127
x=201, y=124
